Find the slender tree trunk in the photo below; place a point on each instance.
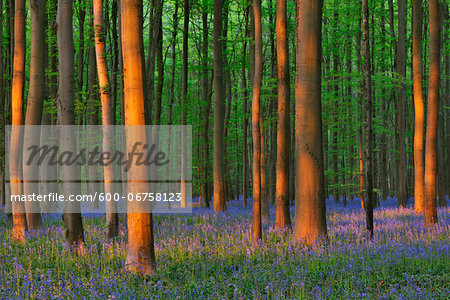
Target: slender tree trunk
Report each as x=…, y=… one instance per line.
x=256, y=131
x=432, y=115
x=160, y=69
x=418, y=107
x=34, y=106
x=282, y=218
x=141, y=253
x=112, y=220
x=440, y=169
x=272, y=111
x=310, y=219
x=264, y=199
x=245, y=121
x=218, y=172
x=206, y=99
x=80, y=56
x=66, y=93
x=2, y=115
x=184, y=91
x=401, y=122
x=368, y=119
x=18, y=82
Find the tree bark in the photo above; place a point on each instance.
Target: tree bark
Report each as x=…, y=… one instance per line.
x=34, y=106
x=206, y=99
x=18, y=82
x=141, y=253
x=256, y=131
x=401, y=122
x=432, y=115
x=66, y=93
x=218, y=172
x=112, y=220
x=418, y=107
x=282, y=218
x=368, y=120
x=310, y=219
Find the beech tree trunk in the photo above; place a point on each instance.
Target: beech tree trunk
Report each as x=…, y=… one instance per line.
x=18, y=82
x=256, y=131
x=368, y=120
x=282, y=218
x=310, y=219
x=141, y=253
x=418, y=107
x=66, y=93
x=401, y=121
x=34, y=106
x=218, y=168
x=112, y=220
x=432, y=115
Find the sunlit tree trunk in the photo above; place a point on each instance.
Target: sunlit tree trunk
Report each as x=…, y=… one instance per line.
x=107, y=115
x=34, y=106
x=218, y=170
x=18, y=82
x=66, y=93
x=418, y=106
x=310, y=219
x=256, y=227
x=432, y=115
x=141, y=253
x=368, y=120
x=282, y=218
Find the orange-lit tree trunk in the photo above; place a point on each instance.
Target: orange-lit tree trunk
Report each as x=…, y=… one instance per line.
x=218, y=168
x=141, y=253
x=282, y=218
x=18, y=81
x=368, y=120
x=107, y=115
x=72, y=214
x=256, y=227
x=34, y=106
x=310, y=219
x=432, y=115
x=418, y=106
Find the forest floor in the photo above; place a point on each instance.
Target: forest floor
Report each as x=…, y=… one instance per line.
x=205, y=255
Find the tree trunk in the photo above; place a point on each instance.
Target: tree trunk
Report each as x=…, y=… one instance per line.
x=34, y=106
x=141, y=253
x=256, y=131
x=432, y=115
x=368, y=119
x=418, y=107
x=112, y=220
x=184, y=91
x=80, y=57
x=218, y=172
x=245, y=121
x=72, y=214
x=18, y=82
x=282, y=218
x=401, y=123
x=310, y=219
